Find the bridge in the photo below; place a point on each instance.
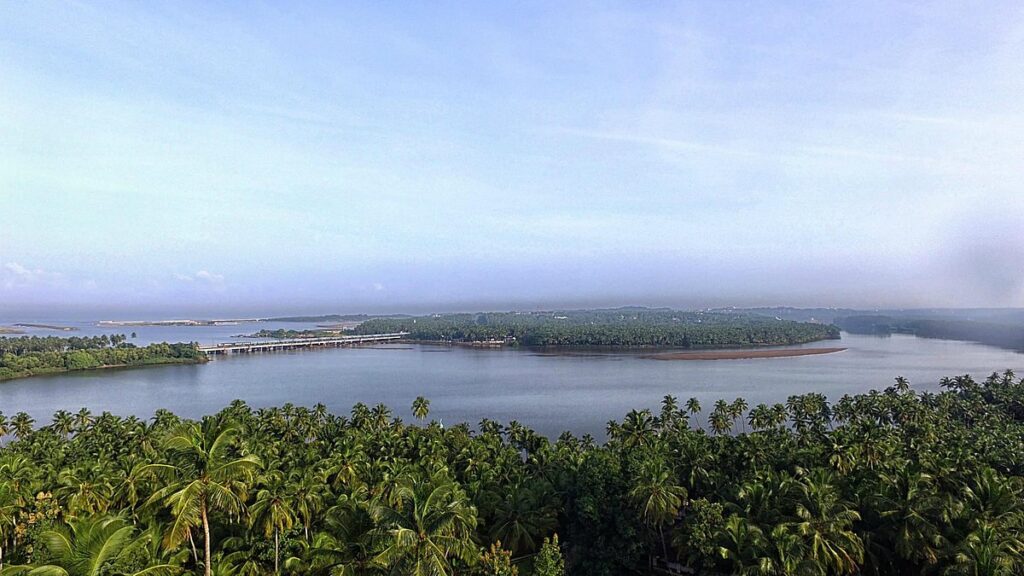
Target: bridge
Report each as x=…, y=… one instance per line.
x=299, y=343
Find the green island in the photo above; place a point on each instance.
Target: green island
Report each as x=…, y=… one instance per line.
x=35, y=355
x=623, y=327
x=890, y=482
x=290, y=334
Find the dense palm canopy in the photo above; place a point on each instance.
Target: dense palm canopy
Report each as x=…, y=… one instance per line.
x=888, y=482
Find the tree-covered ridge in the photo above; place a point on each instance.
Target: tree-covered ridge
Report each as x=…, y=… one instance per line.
x=612, y=327
x=34, y=355
x=890, y=482
x=1004, y=334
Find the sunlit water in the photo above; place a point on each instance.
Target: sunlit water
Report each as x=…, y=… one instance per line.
x=550, y=393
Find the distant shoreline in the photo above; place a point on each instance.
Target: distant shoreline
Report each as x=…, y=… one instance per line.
x=742, y=354
x=48, y=327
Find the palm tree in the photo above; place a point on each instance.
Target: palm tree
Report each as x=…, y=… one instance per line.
x=429, y=525
x=637, y=428
x=420, y=408
x=209, y=476
x=89, y=547
x=308, y=489
x=658, y=497
x=85, y=489
x=693, y=406
x=825, y=522
x=989, y=551
x=736, y=411
x=911, y=512
x=9, y=508
x=83, y=419
x=22, y=425
x=522, y=517
x=273, y=512
x=669, y=411
x=741, y=544
x=63, y=422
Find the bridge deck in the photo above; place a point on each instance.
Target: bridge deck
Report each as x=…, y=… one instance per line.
x=294, y=343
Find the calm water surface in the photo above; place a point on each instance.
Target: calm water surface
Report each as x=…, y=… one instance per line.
x=550, y=393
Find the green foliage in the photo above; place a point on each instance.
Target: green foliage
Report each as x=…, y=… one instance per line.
x=33, y=355
x=636, y=327
x=696, y=535
x=496, y=562
x=549, y=560
x=888, y=483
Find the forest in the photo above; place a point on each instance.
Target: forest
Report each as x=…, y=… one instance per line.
x=288, y=334
x=1007, y=334
x=887, y=482
x=34, y=355
x=628, y=327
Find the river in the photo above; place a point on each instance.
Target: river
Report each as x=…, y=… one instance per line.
x=548, y=392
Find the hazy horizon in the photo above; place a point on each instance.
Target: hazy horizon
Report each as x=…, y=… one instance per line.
x=201, y=160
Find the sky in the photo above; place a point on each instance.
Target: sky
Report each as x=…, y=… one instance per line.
x=235, y=159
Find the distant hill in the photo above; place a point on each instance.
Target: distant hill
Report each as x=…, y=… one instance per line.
x=820, y=315
x=1000, y=327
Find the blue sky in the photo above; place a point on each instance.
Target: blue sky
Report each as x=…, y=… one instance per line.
x=246, y=158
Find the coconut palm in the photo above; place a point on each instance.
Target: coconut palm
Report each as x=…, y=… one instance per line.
x=428, y=527
x=22, y=425
x=989, y=551
x=420, y=408
x=522, y=516
x=741, y=544
x=911, y=512
x=9, y=507
x=694, y=407
x=637, y=428
x=209, y=476
x=90, y=547
x=83, y=419
x=63, y=422
x=658, y=498
x=345, y=546
x=825, y=523
x=272, y=512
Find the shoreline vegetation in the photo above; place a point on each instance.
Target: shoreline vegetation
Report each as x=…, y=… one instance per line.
x=617, y=327
x=888, y=482
x=1006, y=335
x=613, y=328
x=27, y=356
x=742, y=354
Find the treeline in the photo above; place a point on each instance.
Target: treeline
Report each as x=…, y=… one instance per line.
x=25, y=344
x=891, y=482
x=1010, y=336
x=33, y=355
x=283, y=334
x=616, y=327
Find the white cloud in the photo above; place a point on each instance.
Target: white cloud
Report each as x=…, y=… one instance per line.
x=202, y=279
x=16, y=275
